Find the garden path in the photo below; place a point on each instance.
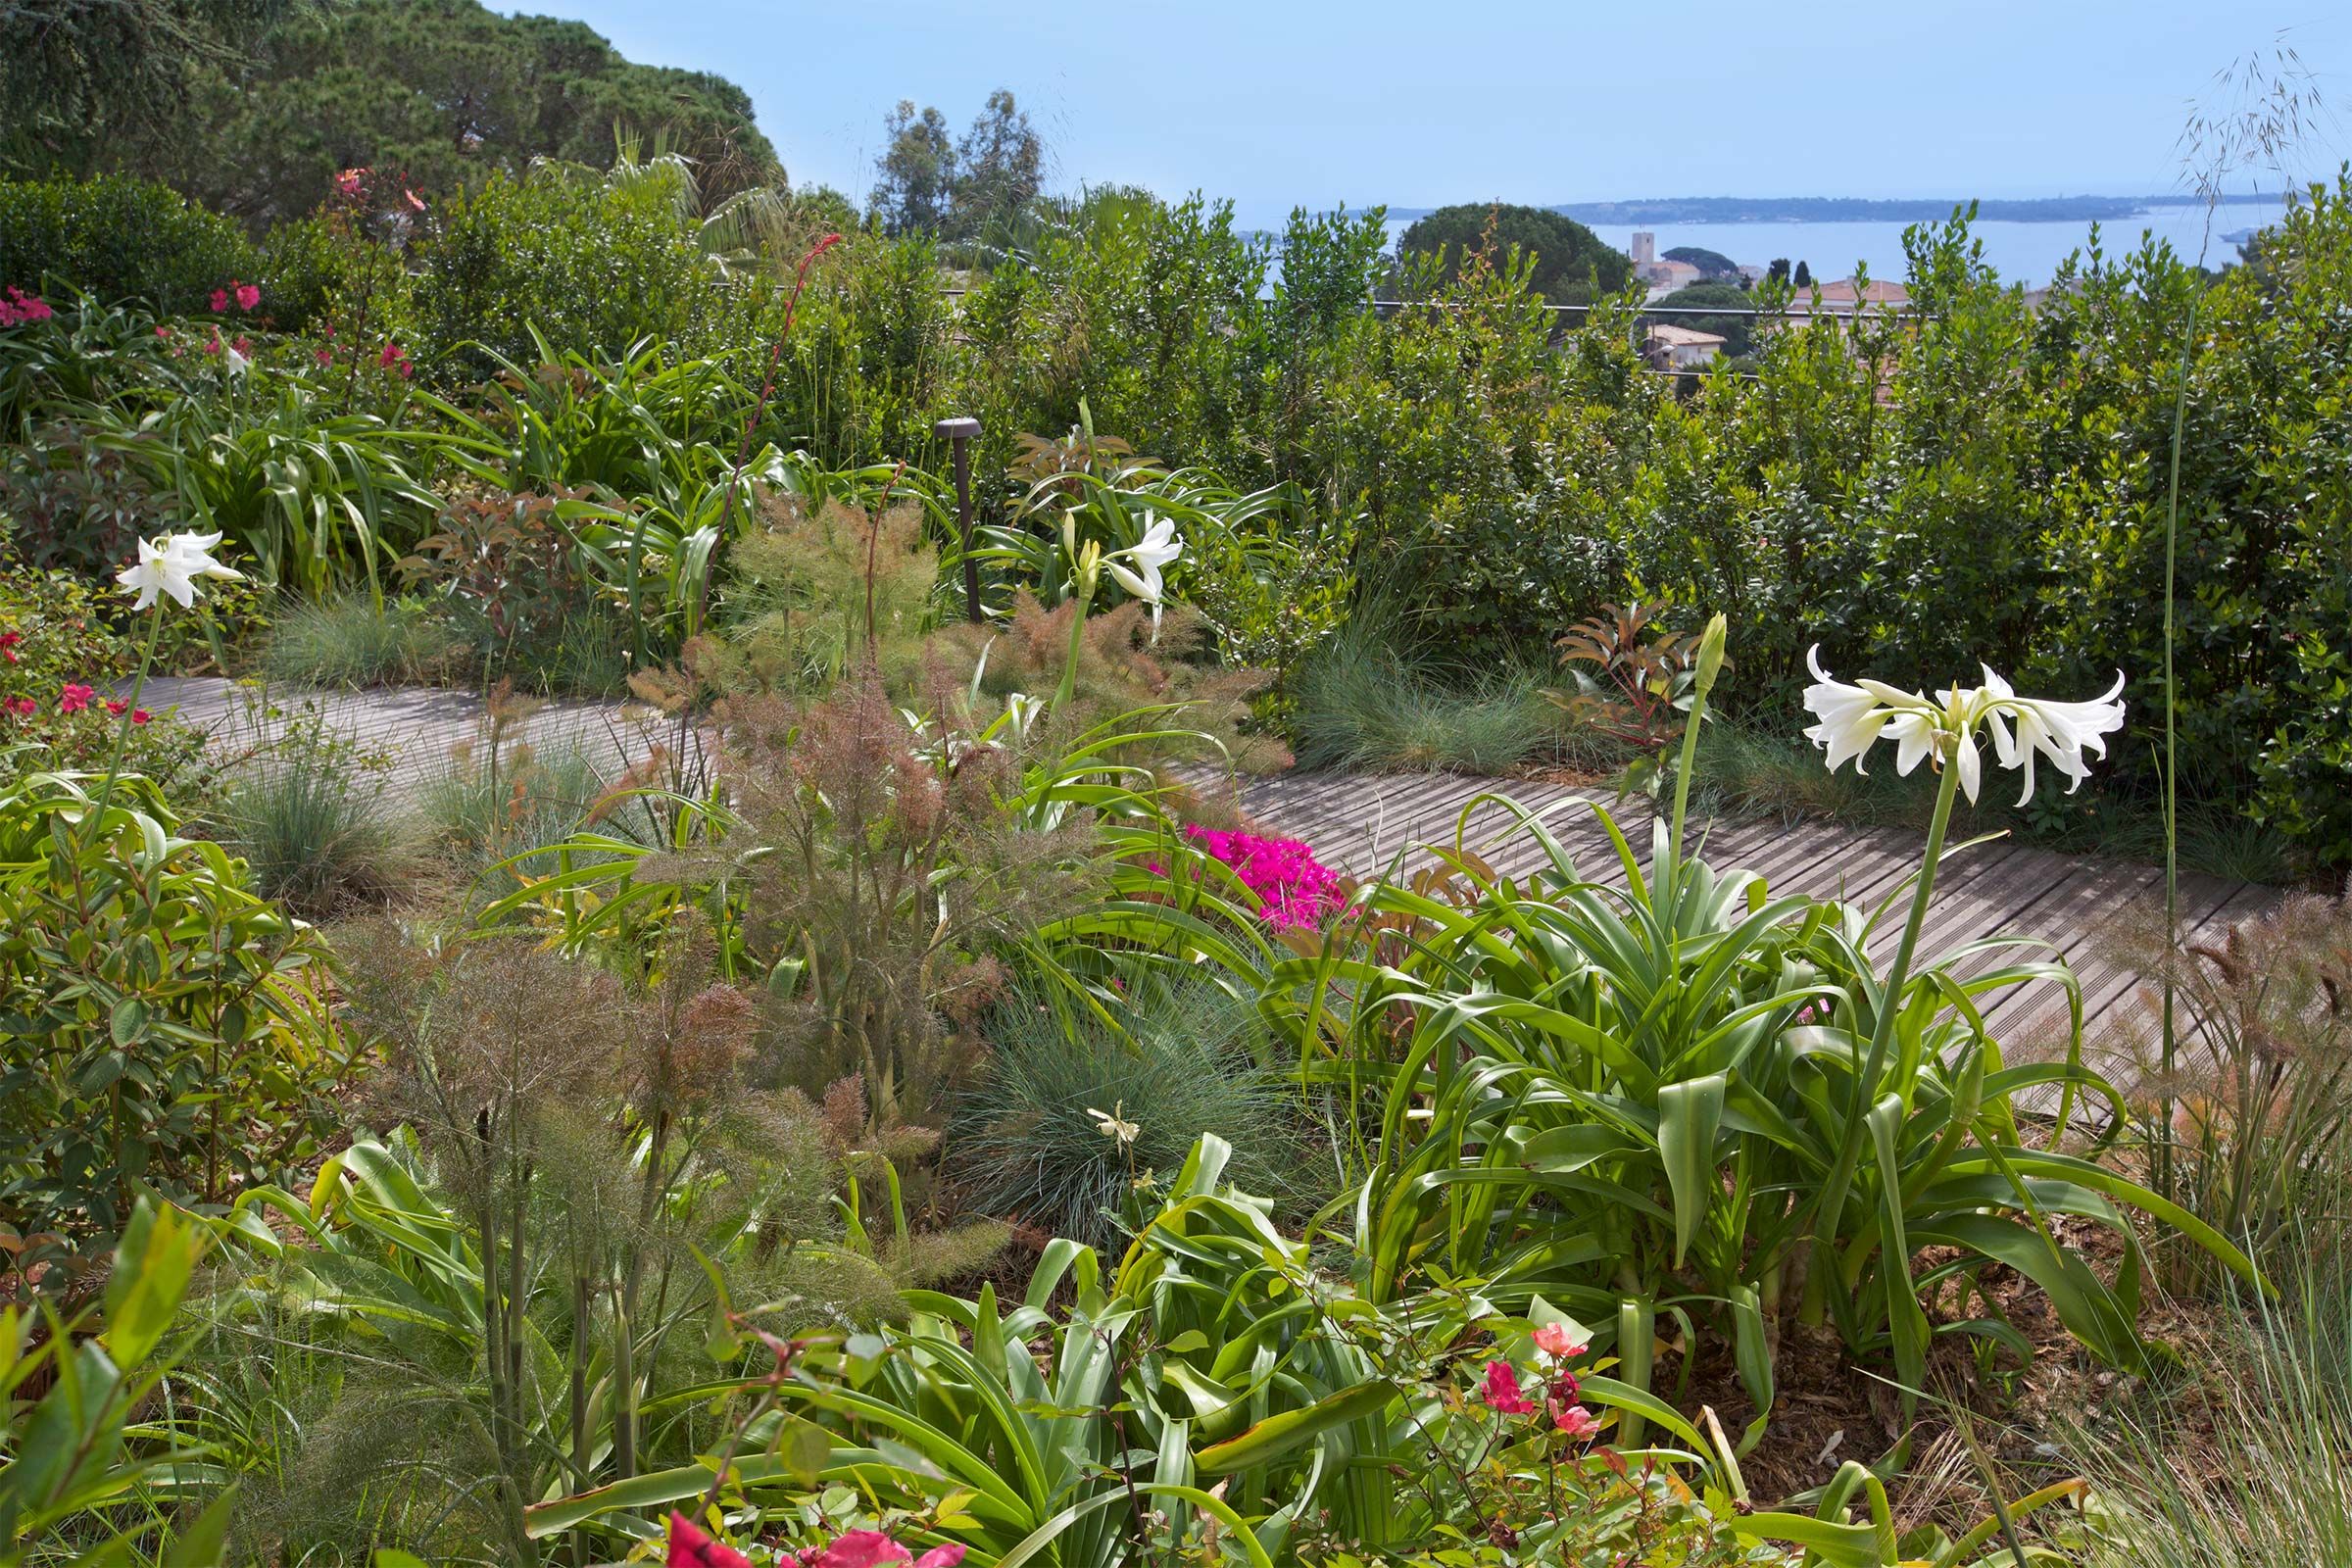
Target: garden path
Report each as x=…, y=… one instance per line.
x=1367, y=824
x=418, y=731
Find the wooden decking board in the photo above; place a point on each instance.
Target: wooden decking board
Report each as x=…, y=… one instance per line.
x=2038, y=1013
x=1364, y=824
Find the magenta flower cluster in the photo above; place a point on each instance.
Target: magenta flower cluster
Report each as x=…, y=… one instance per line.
x=1294, y=889
x=20, y=307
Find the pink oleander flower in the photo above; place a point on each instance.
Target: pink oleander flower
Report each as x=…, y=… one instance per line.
x=1555, y=1342
x=691, y=1546
x=1502, y=1391
x=1574, y=1419
x=219, y=302
x=73, y=698
x=249, y=296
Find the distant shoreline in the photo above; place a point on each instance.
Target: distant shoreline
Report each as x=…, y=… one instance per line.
x=1851, y=210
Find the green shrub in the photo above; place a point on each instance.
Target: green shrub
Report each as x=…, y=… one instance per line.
x=594, y=268
x=117, y=238
x=60, y=663
x=169, y=1030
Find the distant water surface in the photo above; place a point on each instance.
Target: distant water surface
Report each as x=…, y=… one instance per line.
x=2020, y=253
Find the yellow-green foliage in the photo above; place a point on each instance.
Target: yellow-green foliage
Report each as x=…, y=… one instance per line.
x=811, y=594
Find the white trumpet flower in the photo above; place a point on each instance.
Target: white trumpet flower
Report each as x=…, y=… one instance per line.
x=172, y=566
x=1855, y=718
x=2059, y=731
x=1138, y=567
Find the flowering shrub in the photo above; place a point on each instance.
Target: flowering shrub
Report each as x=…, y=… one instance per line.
x=690, y=1546
x=18, y=308
x=1294, y=889
x=57, y=656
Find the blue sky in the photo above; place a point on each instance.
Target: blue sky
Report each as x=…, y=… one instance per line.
x=1279, y=102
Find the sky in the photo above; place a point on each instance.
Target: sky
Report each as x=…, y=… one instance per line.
x=1280, y=103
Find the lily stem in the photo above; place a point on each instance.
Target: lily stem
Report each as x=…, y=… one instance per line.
x=1881, y=1034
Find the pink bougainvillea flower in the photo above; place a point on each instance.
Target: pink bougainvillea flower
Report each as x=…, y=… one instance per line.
x=8, y=644
x=114, y=706
x=1502, y=1391
x=213, y=347
x=392, y=355
x=1555, y=1342
x=1294, y=890
x=323, y=356
x=163, y=331
x=946, y=1556
x=22, y=707
x=1574, y=1419
x=19, y=308
x=73, y=698
x=249, y=296
x=219, y=302
x=692, y=1546
x=243, y=345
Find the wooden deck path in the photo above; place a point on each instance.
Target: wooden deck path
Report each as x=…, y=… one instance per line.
x=421, y=732
x=1372, y=824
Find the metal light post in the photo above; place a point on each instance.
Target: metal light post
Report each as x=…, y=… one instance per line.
x=959, y=432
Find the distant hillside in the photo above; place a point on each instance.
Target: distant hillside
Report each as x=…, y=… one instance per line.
x=1854, y=209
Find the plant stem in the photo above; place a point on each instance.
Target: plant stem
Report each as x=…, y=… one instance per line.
x=1069, y=664
x=1881, y=1034
x=138, y=684
x=2172, y=821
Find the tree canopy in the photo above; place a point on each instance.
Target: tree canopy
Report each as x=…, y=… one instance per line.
x=970, y=189
x=1711, y=264
x=444, y=91
x=1571, y=263
x=1738, y=329
x=76, y=76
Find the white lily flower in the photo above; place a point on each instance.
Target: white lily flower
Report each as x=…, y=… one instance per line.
x=172, y=566
x=1114, y=1124
x=2059, y=731
x=1022, y=712
x=1138, y=567
x=1854, y=718
x=237, y=363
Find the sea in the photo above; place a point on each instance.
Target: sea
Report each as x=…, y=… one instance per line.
x=2020, y=253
